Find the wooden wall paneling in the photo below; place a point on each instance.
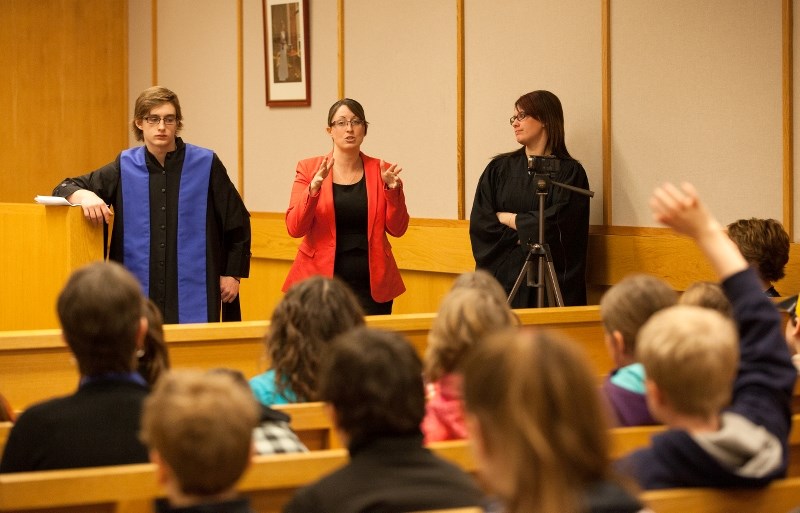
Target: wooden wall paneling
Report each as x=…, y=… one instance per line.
x=65, y=103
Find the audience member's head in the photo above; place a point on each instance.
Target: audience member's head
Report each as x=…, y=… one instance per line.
x=310, y=315
x=373, y=381
x=198, y=427
x=690, y=356
x=153, y=356
x=534, y=415
x=626, y=306
x=480, y=279
x=708, y=295
x=465, y=317
x=764, y=244
x=100, y=310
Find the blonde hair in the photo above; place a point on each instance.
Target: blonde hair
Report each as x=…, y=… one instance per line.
x=692, y=354
x=201, y=424
x=481, y=280
x=708, y=295
x=626, y=306
x=465, y=317
x=536, y=401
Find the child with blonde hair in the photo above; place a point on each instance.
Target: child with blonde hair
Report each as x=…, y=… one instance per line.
x=466, y=316
x=708, y=295
x=624, y=309
x=725, y=396
x=198, y=427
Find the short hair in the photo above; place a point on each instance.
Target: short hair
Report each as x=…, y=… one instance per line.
x=154, y=359
x=522, y=386
x=311, y=314
x=201, y=424
x=465, y=317
x=100, y=309
x=708, y=295
x=764, y=244
x=373, y=379
x=480, y=279
x=626, y=306
x=692, y=354
x=354, y=107
x=148, y=100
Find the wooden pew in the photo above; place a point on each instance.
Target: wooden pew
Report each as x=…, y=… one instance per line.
x=779, y=497
x=269, y=482
x=312, y=424
x=272, y=480
x=37, y=364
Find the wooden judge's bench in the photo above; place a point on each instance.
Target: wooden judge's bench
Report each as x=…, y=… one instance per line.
x=42, y=245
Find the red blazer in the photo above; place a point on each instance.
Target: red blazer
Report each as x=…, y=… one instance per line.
x=313, y=218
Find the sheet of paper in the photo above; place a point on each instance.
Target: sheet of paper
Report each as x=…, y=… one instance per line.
x=54, y=200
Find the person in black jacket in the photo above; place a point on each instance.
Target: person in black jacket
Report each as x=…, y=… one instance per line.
x=505, y=213
x=373, y=381
x=103, y=323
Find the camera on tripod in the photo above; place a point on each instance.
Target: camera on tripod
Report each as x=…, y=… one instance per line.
x=546, y=165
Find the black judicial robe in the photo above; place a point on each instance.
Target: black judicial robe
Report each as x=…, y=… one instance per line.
x=227, y=228
x=505, y=186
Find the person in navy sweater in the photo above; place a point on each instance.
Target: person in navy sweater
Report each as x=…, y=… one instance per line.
x=725, y=396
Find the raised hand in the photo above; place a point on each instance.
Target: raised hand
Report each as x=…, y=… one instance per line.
x=316, y=182
x=389, y=174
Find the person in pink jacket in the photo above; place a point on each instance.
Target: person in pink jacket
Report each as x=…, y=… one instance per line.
x=343, y=204
x=466, y=316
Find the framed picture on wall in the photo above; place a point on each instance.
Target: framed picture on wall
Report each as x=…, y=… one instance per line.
x=286, y=52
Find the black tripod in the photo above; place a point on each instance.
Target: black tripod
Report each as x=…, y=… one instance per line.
x=542, y=169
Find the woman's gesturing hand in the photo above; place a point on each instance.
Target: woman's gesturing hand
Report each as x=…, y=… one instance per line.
x=324, y=170
x=389, y=175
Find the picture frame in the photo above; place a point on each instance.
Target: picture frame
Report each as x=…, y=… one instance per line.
x=286, y=53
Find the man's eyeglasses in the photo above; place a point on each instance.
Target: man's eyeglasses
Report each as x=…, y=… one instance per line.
x=156, y=120
x=517, y=117
x=355, y=123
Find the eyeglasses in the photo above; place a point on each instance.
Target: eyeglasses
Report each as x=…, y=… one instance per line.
x=355, y=123
x=156, y=120
x=517, y=117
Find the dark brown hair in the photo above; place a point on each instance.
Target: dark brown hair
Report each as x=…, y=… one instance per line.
x=155, y=357
x=100, y=309
x=354, y=107
x=546, y=107
x=309, y=316
x=764, y=244
x=373, y=379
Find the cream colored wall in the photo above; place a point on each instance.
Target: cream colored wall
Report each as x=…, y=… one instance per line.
x=695, y=93
x=140, y=48
x=275, y=138
x=400, y=63
x=197, y=49
x=522, y=46
x=697, y=96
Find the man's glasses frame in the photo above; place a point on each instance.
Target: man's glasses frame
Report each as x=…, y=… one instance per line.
x=156, y=120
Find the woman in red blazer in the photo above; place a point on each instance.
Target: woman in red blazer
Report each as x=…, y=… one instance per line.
x=343, y=204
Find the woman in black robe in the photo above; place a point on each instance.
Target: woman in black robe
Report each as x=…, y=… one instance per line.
x=505, y=213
